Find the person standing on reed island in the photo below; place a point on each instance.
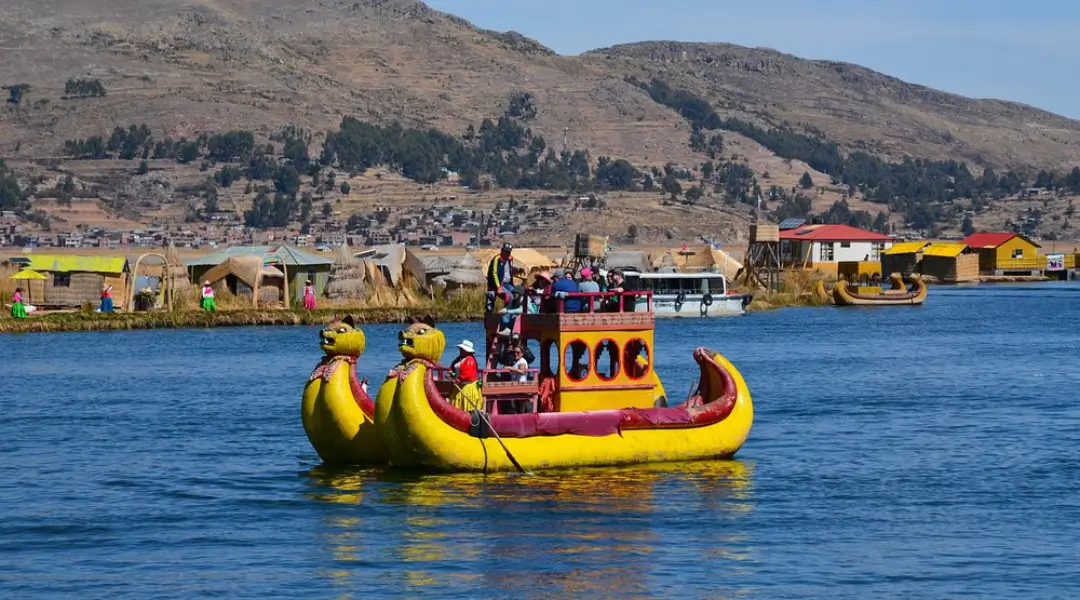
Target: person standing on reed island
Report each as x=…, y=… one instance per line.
x=106, y=300
x=18, y=309
x=208, y=298
x=309, y=296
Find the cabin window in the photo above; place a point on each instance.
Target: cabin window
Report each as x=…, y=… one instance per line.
x=607, y=360
x=61, y=279
x=576, y=360
x=1018, y=253
x=636, y=358
x=716, y=286
x=826, y=254
x=549, y=358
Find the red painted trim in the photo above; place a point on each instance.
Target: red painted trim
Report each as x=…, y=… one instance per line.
x=366, y=404
x=614, y=386
x=518, y=426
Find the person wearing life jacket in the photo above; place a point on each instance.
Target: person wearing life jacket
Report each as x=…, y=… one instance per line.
x=500, y=277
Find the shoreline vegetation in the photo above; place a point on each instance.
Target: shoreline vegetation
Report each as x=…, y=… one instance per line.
x=796, y=290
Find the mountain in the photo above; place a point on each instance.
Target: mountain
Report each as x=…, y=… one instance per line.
x=186, y=67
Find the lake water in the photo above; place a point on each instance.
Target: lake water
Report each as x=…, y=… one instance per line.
x=918, y=451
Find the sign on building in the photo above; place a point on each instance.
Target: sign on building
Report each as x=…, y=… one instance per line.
x=1055, y=262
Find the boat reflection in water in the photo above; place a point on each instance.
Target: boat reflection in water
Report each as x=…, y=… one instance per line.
x=581, y=532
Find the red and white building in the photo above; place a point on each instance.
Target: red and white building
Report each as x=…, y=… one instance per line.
x=825, y=245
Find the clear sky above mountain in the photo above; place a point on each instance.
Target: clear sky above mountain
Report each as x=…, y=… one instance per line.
x=1023, y=51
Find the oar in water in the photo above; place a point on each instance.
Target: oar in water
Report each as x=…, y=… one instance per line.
x=491, y=428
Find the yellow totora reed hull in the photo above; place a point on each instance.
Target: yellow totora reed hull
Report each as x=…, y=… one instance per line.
x=845, y=297
x=338, y=416
x=415, y=435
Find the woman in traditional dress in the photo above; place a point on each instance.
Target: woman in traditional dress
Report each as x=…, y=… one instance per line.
x=106, y=300
x=467, y=378
x=208, y=298
x=309, y=295
x=18, y=309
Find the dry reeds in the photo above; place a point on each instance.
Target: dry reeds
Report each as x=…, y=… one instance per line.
x=798, y=287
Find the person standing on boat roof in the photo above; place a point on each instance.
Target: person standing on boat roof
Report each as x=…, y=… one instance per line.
x=500, y=277
x=566, y=285
x=466, y=375
x=588, y=285
x=208, y=298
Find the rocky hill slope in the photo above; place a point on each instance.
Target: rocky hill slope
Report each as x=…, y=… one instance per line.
x=187, y=67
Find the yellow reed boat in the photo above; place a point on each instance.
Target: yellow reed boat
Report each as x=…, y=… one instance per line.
x=594, y=400
x=848, y=294
x=337, y=413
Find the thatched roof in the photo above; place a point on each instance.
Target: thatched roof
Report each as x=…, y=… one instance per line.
x=466, y=272
x=349, y=279
x=247, y=269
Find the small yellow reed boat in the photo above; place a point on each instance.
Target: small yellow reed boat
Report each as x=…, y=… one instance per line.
x=848, y=294
x=337, y=413
x=594, y=400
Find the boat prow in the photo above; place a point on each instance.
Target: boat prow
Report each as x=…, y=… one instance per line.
x=421, y=428
x=337, y=413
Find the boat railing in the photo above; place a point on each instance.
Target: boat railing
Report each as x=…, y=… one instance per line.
x=590, y=300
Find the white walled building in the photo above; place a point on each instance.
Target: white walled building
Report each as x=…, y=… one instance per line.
x=815, y=245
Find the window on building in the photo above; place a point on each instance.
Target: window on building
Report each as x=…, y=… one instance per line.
x=826, y=254
x=877, y=250
x=1018, y=253
x=845, y=244
x=61, y=279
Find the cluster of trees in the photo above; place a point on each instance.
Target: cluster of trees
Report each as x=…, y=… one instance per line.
x=913, y=187
x=83, y=88
x=137, y=141
x=12, y=197
x=506, y=152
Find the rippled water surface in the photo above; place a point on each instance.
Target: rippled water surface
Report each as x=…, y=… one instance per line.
x=927, y=451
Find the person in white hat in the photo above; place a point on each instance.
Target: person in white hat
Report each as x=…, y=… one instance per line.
x=467, y=377
x=208, y=298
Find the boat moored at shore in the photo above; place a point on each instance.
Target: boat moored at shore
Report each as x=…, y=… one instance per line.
x=689, y=294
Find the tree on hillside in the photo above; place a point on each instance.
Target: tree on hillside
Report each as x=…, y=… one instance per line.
x=17, y=92
x=967, y=227
x=806, y=181
x=522, y=105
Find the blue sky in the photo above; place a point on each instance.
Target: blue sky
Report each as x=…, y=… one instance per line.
x=1023, y=51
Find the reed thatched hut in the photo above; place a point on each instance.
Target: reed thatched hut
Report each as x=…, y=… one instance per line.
x=349, y=278
x=466, y=273
x=242, y=275
x=299, y=266
x=71, y=280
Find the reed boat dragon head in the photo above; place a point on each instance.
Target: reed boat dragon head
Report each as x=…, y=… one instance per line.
x=342, y=338
x=421, y=340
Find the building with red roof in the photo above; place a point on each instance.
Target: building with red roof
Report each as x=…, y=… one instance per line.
x=820, y=245
x=1005, y=253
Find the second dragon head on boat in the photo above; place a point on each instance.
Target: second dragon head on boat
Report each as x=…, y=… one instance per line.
x=421, y=340
x=342, y=338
